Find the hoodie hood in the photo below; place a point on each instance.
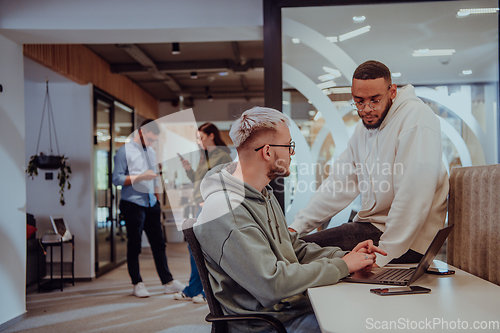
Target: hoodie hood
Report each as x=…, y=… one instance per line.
x=404, y=96
x=220, y=185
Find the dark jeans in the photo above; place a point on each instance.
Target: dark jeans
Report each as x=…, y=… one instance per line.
x=348, y=235
x=138, y=218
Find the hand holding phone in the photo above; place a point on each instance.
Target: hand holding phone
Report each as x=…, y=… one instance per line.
x=182, y=158
x=400, y=291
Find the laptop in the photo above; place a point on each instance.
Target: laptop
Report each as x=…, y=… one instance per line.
x=402, y=276
x=60, y=227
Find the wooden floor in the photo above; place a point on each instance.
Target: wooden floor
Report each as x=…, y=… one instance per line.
x=107, y=305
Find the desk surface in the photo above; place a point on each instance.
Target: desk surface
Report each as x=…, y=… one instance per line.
x=456, y=302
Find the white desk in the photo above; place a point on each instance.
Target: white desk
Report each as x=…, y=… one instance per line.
x=460, y=299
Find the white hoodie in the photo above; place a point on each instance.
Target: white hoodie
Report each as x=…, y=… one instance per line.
x=399, y=172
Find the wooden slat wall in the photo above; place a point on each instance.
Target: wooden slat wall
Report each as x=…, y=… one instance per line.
x=474, y=209
x=81, y=65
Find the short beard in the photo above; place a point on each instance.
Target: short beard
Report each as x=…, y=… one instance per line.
x=382, y=117
x=278, y=169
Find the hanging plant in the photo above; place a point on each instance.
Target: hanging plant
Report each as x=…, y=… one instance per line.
x=62, y=175
x=50, y=162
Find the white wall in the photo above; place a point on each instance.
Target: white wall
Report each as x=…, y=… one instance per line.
x=72, y=109
x=130, y=21
x=13, y=180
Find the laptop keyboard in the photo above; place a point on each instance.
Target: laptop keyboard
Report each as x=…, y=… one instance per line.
x=395, y=275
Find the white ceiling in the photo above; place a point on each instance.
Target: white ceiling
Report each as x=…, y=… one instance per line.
x=399, y=29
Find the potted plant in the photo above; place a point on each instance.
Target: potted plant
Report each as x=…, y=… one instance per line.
x=50, y=162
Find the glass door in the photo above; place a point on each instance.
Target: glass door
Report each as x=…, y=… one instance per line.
x=113, y=123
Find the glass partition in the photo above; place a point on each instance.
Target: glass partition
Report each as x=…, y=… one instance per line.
x=448, y=50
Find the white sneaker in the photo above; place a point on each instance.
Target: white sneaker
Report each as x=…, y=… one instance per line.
x=182, y=296
x=199, y=299
x=173, y=286
x=140, y=290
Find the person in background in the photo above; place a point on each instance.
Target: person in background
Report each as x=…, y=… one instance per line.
x=140, y=207
x=256, y=266
x=213, y=152
x=394, y=160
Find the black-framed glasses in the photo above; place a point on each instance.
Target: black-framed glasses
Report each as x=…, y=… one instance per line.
x=291, y=147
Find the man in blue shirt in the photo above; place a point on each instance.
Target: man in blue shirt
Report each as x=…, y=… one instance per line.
x=140, y=207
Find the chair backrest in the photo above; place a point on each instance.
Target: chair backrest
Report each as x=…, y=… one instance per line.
x=213, y=303
x=474, y=209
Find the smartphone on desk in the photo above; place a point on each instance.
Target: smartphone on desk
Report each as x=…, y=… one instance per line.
x=440, y=271
x=400, y=290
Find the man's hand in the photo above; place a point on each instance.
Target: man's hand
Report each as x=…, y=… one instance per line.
x=146, y=175
x=358, y=260
x=368, y=247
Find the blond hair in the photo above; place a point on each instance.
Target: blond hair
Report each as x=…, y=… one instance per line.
x=255, y=120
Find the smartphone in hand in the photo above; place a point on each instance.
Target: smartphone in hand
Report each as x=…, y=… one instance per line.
x=182, y=158
x=400, y=290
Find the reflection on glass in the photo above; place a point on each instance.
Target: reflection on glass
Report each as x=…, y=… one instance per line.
x=318, y=61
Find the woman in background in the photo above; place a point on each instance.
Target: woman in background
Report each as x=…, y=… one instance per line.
x=213, y=152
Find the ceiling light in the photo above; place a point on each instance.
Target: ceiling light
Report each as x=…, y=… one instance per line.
x=468, y=11
x=397, y=74
x=326, y=77
x=354, y=33
x=467, y=72
x=341, y=90
x=317, y=116
x=332, y=39
x=175, y=48
x=358, y=19
x=335, y=72
x=432, y=53
x=295, y=40
x=226, y=73
x=327, y=84
x=309, y=101
x=312, y=113
x=326, y=91
x=193, y=75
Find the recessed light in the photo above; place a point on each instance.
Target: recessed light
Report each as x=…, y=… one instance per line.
x=326, y=77
x=396, y=74
x=341, y=90
x=226, y=73
x=327, y=84
x=193, y=75
x=312, y=113
x=354, y=33
x=309, y=101
x=359, y=19
x=468, y=11
x=335, y=72
x=295, y=40
x=432, y=53
x=467, y=72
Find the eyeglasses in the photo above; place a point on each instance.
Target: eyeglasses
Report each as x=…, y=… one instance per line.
x=291, y=147
x=374, y=104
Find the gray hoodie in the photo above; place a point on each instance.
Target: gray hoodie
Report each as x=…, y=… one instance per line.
x=256, y=265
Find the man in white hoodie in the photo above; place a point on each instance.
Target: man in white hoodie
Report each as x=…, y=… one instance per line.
x=394, y=160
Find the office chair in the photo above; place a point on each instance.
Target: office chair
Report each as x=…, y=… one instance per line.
x=216, y=316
